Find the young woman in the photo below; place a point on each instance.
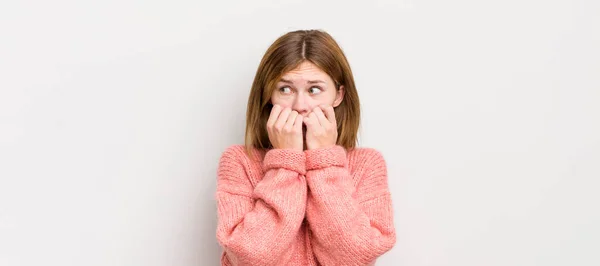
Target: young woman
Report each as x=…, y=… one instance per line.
x=299, y=192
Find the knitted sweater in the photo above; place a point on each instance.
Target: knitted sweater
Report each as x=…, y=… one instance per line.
x=315, y=207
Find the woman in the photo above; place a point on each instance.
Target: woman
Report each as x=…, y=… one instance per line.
x=299, y=192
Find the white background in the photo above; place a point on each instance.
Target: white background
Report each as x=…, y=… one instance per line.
x=113, y=115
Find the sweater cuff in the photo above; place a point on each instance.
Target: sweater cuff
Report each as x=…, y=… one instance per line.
x=326, y=157
x=289, y=159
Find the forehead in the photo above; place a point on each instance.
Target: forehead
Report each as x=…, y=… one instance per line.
x=306, y=71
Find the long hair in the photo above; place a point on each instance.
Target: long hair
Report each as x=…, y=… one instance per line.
x=285, y=54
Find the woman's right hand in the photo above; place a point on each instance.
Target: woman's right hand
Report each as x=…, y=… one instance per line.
x=285, y=128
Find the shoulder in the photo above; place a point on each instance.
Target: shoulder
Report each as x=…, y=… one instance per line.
x=234, y=171
x=238, y=153
x=233, y=151
x=366, y=161
x=370, y=172
x=366, y=155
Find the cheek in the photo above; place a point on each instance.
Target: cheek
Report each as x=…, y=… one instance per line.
x=325, y=100
x=282, y=101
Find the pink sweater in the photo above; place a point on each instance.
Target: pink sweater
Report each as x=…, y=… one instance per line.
x=313, y=207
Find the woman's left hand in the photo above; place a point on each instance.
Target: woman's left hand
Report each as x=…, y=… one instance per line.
x=321, y=128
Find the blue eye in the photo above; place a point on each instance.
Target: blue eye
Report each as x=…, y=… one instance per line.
x=315, y=90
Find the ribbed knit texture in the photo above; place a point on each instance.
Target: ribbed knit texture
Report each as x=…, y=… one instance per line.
x=312, y=207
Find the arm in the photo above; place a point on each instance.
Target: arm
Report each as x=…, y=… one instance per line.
x=257, y=226
x=350, y=226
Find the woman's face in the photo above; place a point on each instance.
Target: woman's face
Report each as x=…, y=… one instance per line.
x=306, y=87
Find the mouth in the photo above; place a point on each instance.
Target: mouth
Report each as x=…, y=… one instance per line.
x=304, y=147
x=304, y=132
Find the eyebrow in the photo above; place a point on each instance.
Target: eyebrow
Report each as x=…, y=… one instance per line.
x=309, y=82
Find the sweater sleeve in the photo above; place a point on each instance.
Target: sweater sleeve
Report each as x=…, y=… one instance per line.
x=350, y=225
x=257, y=226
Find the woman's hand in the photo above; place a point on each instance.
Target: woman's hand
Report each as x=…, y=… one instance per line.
x=285, y=128
x=321, y=128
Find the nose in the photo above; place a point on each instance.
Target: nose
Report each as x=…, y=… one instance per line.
x=301, y=104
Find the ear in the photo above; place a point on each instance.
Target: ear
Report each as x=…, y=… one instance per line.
x=339, y=96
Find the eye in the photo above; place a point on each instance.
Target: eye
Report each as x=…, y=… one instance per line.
x=315, y=90
x=285, y=90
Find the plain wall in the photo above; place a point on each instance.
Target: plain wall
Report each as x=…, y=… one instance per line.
x=113, y=115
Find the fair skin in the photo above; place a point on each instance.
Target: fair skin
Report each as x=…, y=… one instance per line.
x=305, y=96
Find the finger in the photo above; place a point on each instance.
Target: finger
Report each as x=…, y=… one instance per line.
x=289, y=124
x=274, y=114
x=329, y=113
x=311, y=120
x=321, y=116
x=298, y=123
x=282, y=117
